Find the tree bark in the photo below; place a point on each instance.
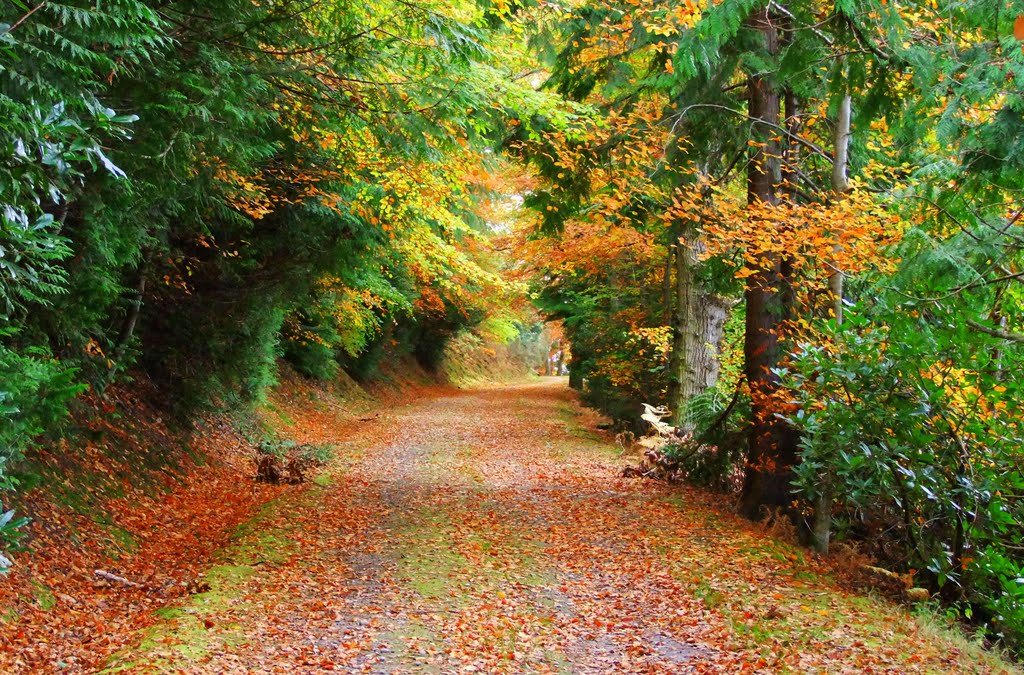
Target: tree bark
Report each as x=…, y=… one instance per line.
x=128, y=328
x=697, y=323
x=666, y=279
x=791, y=151
x=575, y=374
x=772, y=443
x=821, y=528
x=840, y=185
x=614, y=303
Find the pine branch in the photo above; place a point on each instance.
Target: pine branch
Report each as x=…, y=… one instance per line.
x=24, y=18
x=783, y=130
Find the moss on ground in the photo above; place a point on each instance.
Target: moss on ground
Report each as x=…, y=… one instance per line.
x=183, y=634
x=426, y=558
x=43, y=596
x=806, y=613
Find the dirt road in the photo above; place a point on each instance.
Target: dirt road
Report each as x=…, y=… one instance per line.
x=488, y=531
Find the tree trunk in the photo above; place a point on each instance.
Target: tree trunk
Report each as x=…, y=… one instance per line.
x=772, y=443
x=128, y=328
x=614, y=303
x=791, y=153
x=698, y=321
x=666, y=279
x=840, y=185
x=821, y=529
x=575, y=374
x=997, y=317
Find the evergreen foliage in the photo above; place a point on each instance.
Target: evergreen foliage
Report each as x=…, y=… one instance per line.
x=191, y=190
x=196, y=189
x=902, y=411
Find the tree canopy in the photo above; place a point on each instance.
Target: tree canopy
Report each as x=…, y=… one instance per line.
x=797, y=225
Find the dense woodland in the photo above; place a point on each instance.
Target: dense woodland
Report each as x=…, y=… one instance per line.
x=795, y=225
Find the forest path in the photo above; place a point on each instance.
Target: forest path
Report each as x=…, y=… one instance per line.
x=489, y=531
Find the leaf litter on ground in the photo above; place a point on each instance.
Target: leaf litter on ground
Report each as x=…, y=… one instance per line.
x=489, y=531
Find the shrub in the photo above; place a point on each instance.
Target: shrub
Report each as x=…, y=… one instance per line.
x=917, y=436
x=35, y=391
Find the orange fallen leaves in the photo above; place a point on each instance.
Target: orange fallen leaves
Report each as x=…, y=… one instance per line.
x=463, y=534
